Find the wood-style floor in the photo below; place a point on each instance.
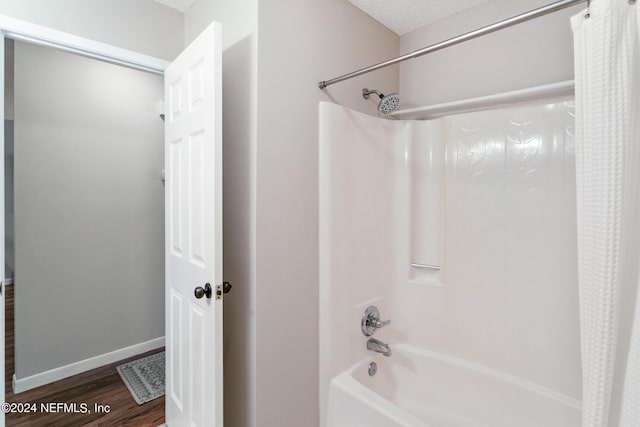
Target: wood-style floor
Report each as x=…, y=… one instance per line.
x=100, y=386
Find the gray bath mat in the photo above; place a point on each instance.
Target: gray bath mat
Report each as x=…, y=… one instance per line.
x=144, y=377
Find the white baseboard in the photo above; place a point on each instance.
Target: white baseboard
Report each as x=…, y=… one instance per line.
x=37, y=380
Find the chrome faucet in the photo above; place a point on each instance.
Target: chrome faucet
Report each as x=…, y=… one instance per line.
x=371, y=321
x=379, y=347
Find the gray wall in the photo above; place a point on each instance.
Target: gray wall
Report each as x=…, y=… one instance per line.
x=89, y=208
x=300, y=43
x=9, y=236
x=9, y=232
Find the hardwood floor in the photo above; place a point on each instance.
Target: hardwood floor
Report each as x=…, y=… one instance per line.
x=101, y=386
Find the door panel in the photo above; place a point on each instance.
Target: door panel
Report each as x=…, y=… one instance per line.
x=193, y=143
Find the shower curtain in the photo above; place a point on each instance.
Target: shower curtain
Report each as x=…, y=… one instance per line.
x=607, y=73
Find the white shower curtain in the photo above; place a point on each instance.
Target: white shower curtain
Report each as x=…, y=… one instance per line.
x=607, y=67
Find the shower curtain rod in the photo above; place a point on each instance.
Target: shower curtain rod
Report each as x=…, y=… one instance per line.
x=527, y=16
x=504, y=99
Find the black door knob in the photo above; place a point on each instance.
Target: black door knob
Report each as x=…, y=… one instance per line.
x=201, y=292
x=226, y=287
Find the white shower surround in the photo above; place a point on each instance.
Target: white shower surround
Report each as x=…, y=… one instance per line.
x=506, y=298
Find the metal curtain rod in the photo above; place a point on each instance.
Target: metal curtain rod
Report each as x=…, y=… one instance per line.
x=527, y=16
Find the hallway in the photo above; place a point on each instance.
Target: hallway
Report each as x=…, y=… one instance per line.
x=101, y=386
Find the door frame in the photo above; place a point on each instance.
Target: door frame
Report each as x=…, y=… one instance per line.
x=16, y=29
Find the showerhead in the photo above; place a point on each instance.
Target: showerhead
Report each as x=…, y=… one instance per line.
x=388, y=104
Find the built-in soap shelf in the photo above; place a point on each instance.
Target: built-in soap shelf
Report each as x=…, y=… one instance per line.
x=426, y=203
x=425, y=274
x=425, y=266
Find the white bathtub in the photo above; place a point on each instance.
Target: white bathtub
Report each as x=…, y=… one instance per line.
x=418, y=388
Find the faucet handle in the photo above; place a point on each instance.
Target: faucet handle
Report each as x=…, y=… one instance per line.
x=377, y=323
x=371, y=321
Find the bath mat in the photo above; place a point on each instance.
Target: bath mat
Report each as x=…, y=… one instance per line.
x=144, y=377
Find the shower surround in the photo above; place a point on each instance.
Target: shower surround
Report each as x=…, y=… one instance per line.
x=462, y=231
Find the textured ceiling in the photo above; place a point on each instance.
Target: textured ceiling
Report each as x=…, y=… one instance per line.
x=404, y=16
x=181, y=5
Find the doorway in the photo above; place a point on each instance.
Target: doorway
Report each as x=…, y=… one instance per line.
x=89, y=210
x=193, y=205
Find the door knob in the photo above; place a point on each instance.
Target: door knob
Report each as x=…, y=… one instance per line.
x=226, y=287
x=200, y=292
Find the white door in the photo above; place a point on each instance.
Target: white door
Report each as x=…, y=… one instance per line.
x=193, y=248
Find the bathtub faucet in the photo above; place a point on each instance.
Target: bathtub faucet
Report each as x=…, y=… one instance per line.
x=371, y=321
x=379, y=347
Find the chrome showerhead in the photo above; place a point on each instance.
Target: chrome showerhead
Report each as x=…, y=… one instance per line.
x=388, y=104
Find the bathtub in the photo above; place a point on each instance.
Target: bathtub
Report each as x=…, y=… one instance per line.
x=418, y=388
